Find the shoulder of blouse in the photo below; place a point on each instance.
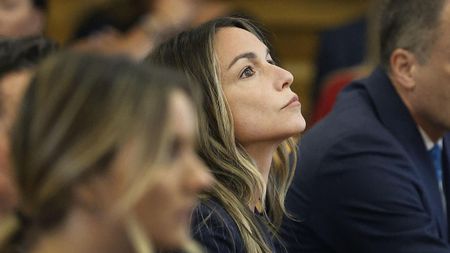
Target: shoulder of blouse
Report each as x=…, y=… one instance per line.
x=213, y=227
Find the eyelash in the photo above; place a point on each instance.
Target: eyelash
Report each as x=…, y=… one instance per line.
x=175, y=149
x=243, y=74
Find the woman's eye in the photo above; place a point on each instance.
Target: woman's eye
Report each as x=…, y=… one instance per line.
x=248, y=72
x=175, y=149
x=271, y=62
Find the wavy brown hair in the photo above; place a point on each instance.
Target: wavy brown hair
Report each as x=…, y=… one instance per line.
x=238, y=179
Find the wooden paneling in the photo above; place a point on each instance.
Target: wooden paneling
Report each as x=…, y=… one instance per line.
x=64, y=15
x=303, y=14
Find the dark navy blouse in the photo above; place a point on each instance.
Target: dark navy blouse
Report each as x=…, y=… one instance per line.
x=217, y=232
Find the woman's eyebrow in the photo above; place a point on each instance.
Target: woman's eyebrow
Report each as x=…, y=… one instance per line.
x=248, y=55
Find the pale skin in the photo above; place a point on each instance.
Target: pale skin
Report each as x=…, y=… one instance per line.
x=85, y=232
x=20, y=18
x=424, y=86
x=264, y=108
x=179, y=182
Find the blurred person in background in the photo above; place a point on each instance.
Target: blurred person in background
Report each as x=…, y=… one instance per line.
x=248, y=117
x=334, y=81
x=133, y=27
x=19, y=18
x=105, y=161
x=18, y=58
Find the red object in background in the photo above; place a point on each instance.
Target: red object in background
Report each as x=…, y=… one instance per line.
x=331, y=88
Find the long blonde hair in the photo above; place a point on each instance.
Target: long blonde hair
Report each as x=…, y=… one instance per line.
x=238, y=178
x=77, y=114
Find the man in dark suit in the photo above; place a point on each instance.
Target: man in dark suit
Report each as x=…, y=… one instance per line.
x=374, y=176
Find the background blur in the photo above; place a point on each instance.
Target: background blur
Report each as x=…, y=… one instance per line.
x=311, y=37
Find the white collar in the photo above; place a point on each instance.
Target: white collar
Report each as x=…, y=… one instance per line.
x=429, y=144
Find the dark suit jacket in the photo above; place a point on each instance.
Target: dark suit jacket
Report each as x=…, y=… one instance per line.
x=364, y=181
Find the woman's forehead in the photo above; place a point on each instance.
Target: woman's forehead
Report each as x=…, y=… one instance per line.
x=232, y=41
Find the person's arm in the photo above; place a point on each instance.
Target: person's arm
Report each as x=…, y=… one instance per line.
x=367, y=198
x=215, y=231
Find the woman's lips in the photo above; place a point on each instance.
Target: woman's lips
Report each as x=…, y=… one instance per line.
x=292, y=102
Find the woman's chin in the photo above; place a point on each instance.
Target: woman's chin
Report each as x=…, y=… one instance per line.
x=302, y=126
x=298, y=128
x=176, y=241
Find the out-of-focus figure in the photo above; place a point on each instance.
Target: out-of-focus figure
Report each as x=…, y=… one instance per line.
x=332, y=80
x=20, y=18
x=105, y=161
x=18, y=57
x=134, y=27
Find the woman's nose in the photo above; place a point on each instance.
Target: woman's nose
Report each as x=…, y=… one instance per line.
x=200, y=177
x=285, y=78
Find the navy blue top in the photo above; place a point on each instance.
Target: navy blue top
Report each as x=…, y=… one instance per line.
x=216, y=231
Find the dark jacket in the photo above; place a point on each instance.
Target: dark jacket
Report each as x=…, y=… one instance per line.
x=365, y=182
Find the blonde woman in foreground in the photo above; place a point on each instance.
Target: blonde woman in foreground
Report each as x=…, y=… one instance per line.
x=247, y=119
x=104, y=159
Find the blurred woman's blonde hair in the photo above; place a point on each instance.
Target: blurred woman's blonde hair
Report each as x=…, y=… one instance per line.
x=78, y=113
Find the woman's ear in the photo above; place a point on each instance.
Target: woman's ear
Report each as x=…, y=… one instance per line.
x=402, y=66
x=94, y=195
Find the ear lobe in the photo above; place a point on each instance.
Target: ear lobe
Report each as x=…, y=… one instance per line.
x=403, y=65
x=93, y=194
x=85, y=196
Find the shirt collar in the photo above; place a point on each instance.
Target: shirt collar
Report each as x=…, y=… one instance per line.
x=429, y=144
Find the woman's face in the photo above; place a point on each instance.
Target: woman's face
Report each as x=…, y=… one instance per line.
x=20, y=18
x=263, y=106
x=165, y=209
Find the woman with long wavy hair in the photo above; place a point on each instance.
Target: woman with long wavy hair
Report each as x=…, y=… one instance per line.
x=247, y=120
x=105, y=160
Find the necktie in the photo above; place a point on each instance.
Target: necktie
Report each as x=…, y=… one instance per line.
x=436, y=157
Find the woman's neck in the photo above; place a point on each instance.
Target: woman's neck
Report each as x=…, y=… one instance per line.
x=262, y=155
x=82, y=232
